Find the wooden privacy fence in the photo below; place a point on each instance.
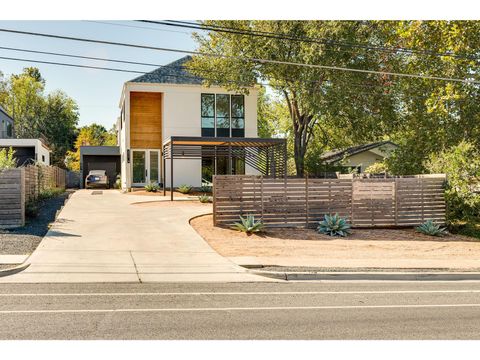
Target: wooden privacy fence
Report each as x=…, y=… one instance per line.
x=373, y=202
x=40, y=178
x=20, y=185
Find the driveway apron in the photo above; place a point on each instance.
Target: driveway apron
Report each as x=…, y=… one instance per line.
x=106, y=236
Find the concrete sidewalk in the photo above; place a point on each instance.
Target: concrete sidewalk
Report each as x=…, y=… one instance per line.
x=104, y=238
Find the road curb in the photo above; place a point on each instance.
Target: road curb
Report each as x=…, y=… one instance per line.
x=14, y=270
x=393, y=276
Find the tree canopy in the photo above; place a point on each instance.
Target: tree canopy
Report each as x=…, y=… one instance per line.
x=91, y=135
x=36, y=114
x=332, y=108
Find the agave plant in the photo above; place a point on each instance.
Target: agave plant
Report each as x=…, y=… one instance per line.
x=206, y=189
x=248, y=225
x=152, y=187
x=334, y=225
x=184, y=189
x=205, y=198
x=431, y=228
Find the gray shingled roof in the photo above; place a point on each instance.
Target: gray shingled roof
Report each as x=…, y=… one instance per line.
x=173, y=73
x=337, y=155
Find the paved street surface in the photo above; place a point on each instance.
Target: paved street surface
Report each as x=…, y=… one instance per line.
x=313, y=310
x=110, y=238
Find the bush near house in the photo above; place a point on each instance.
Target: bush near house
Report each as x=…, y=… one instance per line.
x=7, y=160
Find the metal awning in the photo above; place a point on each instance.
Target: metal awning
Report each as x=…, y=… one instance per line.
x=268, y=156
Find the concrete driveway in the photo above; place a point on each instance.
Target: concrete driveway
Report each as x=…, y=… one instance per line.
x=109, y=237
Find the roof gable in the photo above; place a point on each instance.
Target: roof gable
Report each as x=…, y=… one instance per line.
x=338, y=155
x=173, y=73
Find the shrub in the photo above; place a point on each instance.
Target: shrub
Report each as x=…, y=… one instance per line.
x=206, y=188
x=118, y=182
x=461, y=163
x=334, y=225
x=7, y=160
x=431, y=228
x=248, y=225
x=32, y=209
x=184, y=189
x=377, y=168
x=50, y=193
x=152, y=187
x=205, y=198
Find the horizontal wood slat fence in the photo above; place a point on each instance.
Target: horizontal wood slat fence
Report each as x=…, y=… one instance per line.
x=365, y=202
x=20, y=185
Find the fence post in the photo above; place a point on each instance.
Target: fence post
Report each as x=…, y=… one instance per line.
x=214, y=199
x=306, y=201
x=396, y=200
x=22, y=195
x=261, y=195
x=352, y=195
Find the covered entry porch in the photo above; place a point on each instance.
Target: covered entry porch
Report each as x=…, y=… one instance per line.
x=266, y=157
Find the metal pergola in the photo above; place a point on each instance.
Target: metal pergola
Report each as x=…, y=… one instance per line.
x=268, y=156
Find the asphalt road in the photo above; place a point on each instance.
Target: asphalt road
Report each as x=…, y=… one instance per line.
x=308, y=310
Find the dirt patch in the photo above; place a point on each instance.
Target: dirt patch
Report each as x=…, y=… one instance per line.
x=368, y=248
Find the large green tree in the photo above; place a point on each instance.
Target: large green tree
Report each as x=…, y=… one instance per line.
x=433, y=115
x=316, y=99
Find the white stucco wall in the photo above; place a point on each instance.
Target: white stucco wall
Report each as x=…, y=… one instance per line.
x=181, y=116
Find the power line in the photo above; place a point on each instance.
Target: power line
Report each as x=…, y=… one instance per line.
x=350, y=84
x=72, y=65
x=256, y=60
x=137, y=27
x=79, y=56
x=158, y=65
x=324, y=41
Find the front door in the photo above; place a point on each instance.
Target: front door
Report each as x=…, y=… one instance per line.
x=145, y=167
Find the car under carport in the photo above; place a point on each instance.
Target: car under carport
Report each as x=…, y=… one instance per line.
x=99, y=158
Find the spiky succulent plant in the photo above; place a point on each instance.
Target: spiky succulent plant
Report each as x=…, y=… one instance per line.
x=431, y=228
x=334, y=225
x=184, y=189
x=205, y=198
x=248, y=225
x=152, y=187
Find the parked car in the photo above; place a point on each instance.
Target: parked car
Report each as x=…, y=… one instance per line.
x=96, y=178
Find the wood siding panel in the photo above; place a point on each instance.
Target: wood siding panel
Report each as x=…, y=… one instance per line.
x=145, y=120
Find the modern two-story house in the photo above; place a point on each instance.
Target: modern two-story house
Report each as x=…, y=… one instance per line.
x=168, y=116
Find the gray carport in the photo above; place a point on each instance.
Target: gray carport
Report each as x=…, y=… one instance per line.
x=268, y=156
x=99, y=158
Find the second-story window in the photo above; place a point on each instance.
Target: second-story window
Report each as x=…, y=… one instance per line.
x=223, y=115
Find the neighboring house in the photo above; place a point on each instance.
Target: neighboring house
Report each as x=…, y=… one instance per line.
x=27, y=151
x=6, y=125
x=361, y=156
x=171, y=102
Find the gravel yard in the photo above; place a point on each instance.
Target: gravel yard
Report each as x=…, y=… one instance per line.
x=365, y=248
x=25, y=240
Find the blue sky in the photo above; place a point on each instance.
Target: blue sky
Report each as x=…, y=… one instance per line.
x=96, y=92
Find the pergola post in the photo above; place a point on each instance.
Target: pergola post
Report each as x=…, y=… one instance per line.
x=163, y=171
x=171, y=170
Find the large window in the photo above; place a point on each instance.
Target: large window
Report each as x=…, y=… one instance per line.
x=208, y=115
x=223, y=115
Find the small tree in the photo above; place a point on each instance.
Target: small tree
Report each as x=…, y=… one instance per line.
x=461, y=163
x=7, y=160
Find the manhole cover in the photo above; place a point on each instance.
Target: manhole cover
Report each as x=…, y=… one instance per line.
x=97, y=192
